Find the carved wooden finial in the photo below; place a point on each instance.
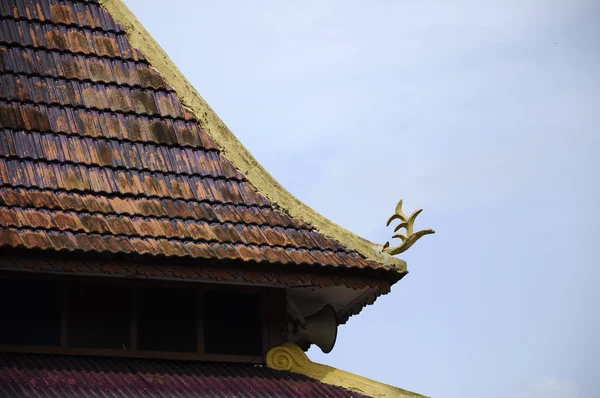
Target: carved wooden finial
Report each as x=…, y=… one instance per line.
x=410, y=237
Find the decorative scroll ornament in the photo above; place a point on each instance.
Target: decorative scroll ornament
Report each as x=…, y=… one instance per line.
x=288, y=357
x=410, y=237
x=291, y=358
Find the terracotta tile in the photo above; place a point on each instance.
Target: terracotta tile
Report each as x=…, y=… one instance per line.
x=35, y=240
x=168, y=104
x=275, y=236
x=147, y=227
x=224, y=234
x=7, y=144
x=301, y=238
x=175, y=228
x=106, y=45
x=116, y=244
x=10, y=116
x=11, y=218
x=10, y=237
x=125, y=50
x=199, y=249
x=246, y=254
x=79, y=41
x=144, y=102
x=197, y=194
x=161, y=131
x=225, y=251
x=62, y=13
x=248, y=234
x=142, y=246
x=62, y=240
x=300, y=256
x=324, y=242
x=172, y=248
x=14, y=197
x=37, y=219
x=66, y=221
x=93, y=223
x=229, y=213
x=331, y=258
x=351, y=260
x=223, y=191
x=319, y=256
x=149, y=207
x=119, y=99
x=257, y=253
x=99, y=69
x=92, y=242
x=158, y=185
x=95, y=204
x=121, y=205
x=201, y=231
x=148, y=77
x=276, y=255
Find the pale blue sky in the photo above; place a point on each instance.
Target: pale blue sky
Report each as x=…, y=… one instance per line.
x=486, y=114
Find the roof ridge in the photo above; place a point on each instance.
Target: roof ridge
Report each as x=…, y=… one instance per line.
x=231, y=147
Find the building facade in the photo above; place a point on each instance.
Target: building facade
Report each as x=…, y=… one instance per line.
x=143, y=250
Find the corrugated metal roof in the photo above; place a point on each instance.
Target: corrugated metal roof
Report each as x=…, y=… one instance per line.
x=33, y=375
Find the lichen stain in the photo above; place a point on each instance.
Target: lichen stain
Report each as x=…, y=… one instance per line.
x=149, y=78
x=105, y=46
x=2, y=54
x=119, y=100
x=146, y=100
x=70, y=68
x=135, y=131
x=20, y=91
x=162, y=133
x=80, y=42
x=10, y=117
x=99, y=71
x=55, y=39
x=61, y=13
x=105, y=154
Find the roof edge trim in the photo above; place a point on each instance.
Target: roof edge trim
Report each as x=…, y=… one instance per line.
x=232, y=148
x=290, y=357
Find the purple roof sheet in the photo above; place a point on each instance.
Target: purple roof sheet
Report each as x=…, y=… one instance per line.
x=33, y=375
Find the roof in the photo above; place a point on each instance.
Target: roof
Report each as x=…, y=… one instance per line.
x=105, y=147
x=33, y=375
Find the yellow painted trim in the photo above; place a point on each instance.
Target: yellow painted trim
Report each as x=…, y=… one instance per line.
x=232, y=148
x=291, y=358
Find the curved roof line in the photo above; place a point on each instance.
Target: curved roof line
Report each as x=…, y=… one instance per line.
x=232, y=148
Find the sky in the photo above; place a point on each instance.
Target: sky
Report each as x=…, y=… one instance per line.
x=484, y=114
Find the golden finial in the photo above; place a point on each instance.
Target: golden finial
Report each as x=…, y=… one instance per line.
x=410, y=237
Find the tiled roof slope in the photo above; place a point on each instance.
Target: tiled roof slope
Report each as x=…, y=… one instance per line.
x=25, y=375
x=97, y=153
